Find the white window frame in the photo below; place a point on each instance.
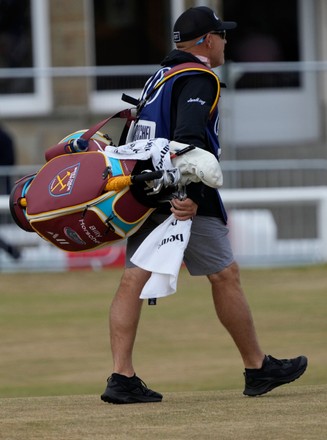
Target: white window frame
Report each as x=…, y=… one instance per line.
x=255, y=117
x=40, y=101
x=110, y=100
x=266, y=117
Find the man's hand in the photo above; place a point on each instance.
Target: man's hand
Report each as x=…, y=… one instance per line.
x=183, y=209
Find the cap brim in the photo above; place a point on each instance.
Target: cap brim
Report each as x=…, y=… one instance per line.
x=226, y=25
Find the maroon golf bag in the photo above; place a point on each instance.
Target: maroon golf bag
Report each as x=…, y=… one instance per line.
x=81, y=200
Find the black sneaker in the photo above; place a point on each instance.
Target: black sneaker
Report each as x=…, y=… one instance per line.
x=272, y=374
x=122, y=389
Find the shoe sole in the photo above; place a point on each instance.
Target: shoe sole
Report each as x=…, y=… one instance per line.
x=263, y=389
x=123, y=400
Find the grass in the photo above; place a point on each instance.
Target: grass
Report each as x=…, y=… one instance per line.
x=286, y=414
x=54, y=338
x=55, y=358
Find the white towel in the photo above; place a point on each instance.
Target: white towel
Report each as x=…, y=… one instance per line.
x=195, y=165
x=162, y=254
x=156, y=149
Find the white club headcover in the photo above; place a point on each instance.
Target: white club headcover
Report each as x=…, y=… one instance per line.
x=197, y=165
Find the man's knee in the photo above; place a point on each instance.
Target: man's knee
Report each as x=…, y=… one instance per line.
x=230, y=273
x=133, y=277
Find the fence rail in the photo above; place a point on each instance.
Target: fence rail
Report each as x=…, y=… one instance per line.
x=147, y=69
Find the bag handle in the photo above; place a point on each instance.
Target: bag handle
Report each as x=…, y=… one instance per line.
x=81, y=144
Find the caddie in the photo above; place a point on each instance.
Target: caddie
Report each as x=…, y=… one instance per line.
x=180, y=103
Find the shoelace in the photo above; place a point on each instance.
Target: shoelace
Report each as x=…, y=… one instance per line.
x=142, y=385
x=135, y=381
x=277, y=361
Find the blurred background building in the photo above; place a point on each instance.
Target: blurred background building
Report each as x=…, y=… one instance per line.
x=65, y=64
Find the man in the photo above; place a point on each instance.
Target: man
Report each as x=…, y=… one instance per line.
x=184, y=108
x=7, y=158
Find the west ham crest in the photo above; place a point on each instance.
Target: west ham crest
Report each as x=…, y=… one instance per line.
x=62, y=184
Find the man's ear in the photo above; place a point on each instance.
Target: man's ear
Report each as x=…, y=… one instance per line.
x=208, y=41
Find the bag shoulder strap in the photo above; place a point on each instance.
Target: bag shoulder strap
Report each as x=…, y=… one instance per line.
x=191, y=67
x=180, y=68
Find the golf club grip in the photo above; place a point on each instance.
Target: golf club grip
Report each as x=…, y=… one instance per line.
x=152, y=175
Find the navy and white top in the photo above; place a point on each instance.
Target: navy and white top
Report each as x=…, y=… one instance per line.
x=179, y=102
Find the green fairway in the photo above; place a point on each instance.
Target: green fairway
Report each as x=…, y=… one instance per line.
x=293, y=413
x=54, y=338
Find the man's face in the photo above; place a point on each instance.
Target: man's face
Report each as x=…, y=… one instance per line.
x=217, y=56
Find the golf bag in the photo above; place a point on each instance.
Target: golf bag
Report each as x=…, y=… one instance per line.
x=69, y=201
x=88, y=194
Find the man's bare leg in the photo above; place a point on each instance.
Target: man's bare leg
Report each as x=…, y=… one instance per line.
x=123, y=386
x=234, y=313
x=124, y=317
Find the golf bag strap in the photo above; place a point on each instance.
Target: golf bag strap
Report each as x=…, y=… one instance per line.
x=81, y=144
x=124, y=114
x=180, y=68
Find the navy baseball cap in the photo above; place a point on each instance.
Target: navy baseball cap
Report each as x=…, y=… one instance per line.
x=195, y=22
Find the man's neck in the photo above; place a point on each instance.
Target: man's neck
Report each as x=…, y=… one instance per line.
x=204, y=60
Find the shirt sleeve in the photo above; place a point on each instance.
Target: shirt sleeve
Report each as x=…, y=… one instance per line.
x=193, y=97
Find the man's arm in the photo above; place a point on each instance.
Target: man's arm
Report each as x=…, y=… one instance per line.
x=193, y=97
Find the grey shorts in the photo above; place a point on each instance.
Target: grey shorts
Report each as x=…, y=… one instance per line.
x=208, y=251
